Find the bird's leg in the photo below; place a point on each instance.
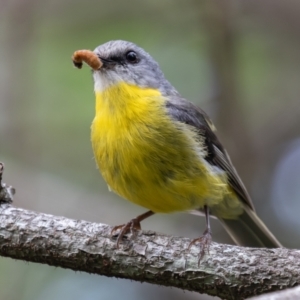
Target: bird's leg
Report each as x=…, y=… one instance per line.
x=205, y=239
x=131, y=226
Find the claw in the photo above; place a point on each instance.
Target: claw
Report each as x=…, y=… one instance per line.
x=131, y=227
x=205, y=242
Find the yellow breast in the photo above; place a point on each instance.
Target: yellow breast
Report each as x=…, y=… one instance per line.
x=148, y=158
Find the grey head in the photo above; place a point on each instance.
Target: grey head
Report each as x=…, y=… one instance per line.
x=125, y=61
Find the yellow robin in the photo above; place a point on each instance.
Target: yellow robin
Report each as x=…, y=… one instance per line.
x=158, y=150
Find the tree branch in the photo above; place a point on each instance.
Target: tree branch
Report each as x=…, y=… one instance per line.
x=229, y=272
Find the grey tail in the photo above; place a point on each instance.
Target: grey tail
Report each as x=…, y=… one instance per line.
x=248, y=230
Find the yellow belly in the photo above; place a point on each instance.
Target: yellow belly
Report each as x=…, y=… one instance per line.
x=146, y=157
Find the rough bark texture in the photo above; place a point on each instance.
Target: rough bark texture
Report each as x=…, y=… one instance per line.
x=229, y=272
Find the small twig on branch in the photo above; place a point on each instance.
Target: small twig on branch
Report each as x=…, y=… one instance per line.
x=229, y=272
x=6, y=191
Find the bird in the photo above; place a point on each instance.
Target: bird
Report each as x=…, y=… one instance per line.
x=158, y=150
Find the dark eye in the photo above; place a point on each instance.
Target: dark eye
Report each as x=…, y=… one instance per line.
x=131, y=57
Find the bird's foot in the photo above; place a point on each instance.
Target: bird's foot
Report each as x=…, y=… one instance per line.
x=205, y=241
x=131, y=227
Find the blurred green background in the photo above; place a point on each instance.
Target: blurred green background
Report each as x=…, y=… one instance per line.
x=239, y=60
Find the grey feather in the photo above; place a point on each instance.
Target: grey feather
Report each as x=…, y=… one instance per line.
x=186, y=112
x=249, y=230
x=146, y=73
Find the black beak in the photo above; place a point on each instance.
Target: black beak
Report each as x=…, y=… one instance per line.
x=107, y=63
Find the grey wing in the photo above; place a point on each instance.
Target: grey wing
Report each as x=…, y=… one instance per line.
x=184, y=111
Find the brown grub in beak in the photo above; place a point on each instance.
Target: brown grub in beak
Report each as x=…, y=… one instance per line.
x=87, y=56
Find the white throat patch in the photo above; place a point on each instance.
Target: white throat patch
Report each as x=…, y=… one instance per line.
x=103, y=81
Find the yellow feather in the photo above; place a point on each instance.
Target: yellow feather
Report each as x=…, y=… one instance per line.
x=148, y=158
